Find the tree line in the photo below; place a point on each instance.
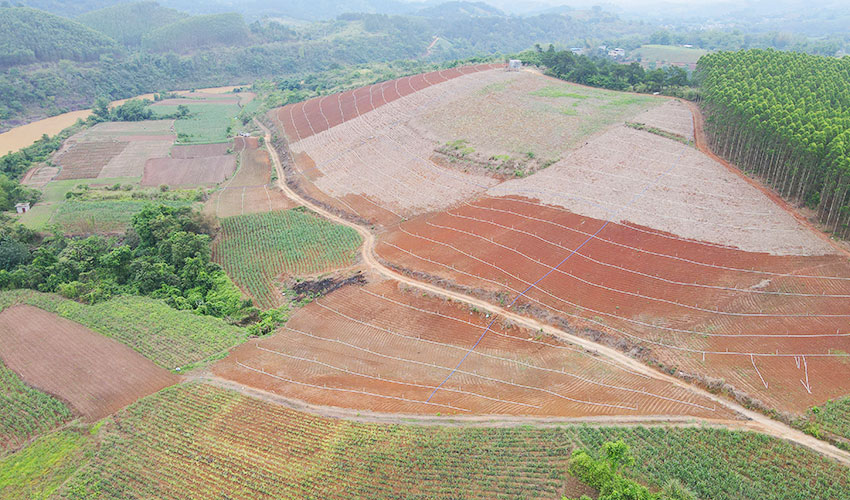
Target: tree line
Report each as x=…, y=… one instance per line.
x=784, y=116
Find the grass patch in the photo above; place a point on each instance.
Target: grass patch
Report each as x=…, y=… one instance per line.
x=104, y=216
x=25, y=412
x=168, y=337
x=256, y=249
x=39, y=469
x=195, y=430
x=493, y=87
x=556, y=92
x=53, y=195
x=206, y=123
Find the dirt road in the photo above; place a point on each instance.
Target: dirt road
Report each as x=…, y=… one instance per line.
x=755, y=421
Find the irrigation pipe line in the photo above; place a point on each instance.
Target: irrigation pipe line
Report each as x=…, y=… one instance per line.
x=639, y=295
x=533, y=285
x=391, y=381
x=645, y=275
x=649, y=252
x=621, y=318
x=340, y=389
x=513, y=361
x=471, y=374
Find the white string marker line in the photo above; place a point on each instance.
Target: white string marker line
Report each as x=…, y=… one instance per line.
x=646, y=275
x=355, y=391
x=635, y=294
x=533, y=285
x=530, y=340
x=471, y=374
x=806, y=383
x=757, y=371
x=648, y=252
x=399, y=382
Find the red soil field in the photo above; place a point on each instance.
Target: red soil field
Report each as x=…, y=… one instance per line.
x=382, y=348
x=199, y=150
x=301, y=120
x=188, y=172
x=85, y=160
x=95, y=375
x=773, y=326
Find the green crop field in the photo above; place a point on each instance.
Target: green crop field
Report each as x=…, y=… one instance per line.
x=25, y=412
x=206, y=123
x=166, y=336
x=833, y=417
x=39, y=469
x=103, y=216
x=53, y=196
x=243, y=447
x=666, y=54
x=256, y=249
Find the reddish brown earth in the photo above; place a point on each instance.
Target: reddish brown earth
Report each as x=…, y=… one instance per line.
x=303, y=119
x=700, y=307
x=95, y=375
x=85, y=160
x=188, y=172
x=383, y=348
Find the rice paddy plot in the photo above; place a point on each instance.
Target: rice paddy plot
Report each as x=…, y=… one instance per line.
x=25, y=412
x=195, y=440
x=206, y=123
x=256, y=249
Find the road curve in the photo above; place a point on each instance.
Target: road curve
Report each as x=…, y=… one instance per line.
x=756, y=421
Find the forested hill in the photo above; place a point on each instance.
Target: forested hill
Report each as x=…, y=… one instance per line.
x=127, y=23
x=786, y=117
x=30, y=36
x=198, y=32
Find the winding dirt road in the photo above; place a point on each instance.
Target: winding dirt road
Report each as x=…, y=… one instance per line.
x=754, y=421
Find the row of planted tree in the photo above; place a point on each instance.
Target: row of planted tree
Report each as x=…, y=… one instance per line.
x=785, y=117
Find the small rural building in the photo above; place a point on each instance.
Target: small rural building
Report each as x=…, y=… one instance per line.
x=22, y=208
x=514, y=65
x=577, y=50
x=618, y=52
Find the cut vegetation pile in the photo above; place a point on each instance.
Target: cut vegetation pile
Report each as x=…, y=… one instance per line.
x=257, y=250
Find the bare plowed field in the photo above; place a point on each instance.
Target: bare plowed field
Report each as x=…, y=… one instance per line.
x=382, y=348
x=673, y=116
x=642, y=178
x=199, y=150
x=188, y=172
x=775, y=326
x=301, y=120
x=96, y=375
x=85, y=160
x=131, y=161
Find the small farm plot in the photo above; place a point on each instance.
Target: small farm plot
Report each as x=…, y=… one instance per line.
x=25, y=412
x=767, y=324
x=38, y=470
x=257, y=250
x=108, y=216
x=95, y=375
x=200, y=150
x=385, y=349
x=254, y=449
x=673, y=116
x=188, y=172
x=86, y=160
x=206, y=123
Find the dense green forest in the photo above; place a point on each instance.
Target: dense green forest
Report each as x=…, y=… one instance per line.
x=197, y=32
x=31, y=35
x=128, y=23
x=605, y=73
x=785, y=116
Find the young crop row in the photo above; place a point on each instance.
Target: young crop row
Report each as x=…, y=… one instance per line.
x=257, y=249
x=40, y=468
x=25, y=412
x=166, y=336
x=197, y=440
